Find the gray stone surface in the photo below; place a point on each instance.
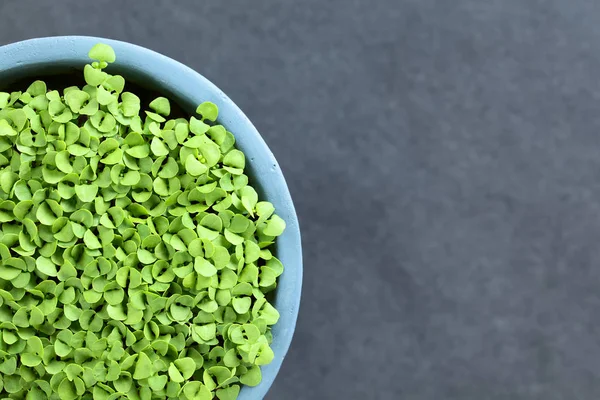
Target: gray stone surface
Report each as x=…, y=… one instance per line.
x=444, y=157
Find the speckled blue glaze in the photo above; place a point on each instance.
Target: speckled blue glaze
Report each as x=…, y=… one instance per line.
x=189, y=89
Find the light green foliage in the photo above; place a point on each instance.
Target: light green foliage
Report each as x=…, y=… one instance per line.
x=134, y=257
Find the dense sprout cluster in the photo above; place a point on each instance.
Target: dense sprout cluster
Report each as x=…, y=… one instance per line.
x=134, y=256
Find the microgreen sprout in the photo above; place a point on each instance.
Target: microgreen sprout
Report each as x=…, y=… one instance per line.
x=135, y=258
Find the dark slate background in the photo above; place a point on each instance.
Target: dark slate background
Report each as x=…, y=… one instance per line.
x=444, y=157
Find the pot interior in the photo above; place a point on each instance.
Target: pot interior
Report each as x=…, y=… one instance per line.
x=59, y=78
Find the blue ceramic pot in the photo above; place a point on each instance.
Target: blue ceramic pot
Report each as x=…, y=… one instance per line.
x=36, y=58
